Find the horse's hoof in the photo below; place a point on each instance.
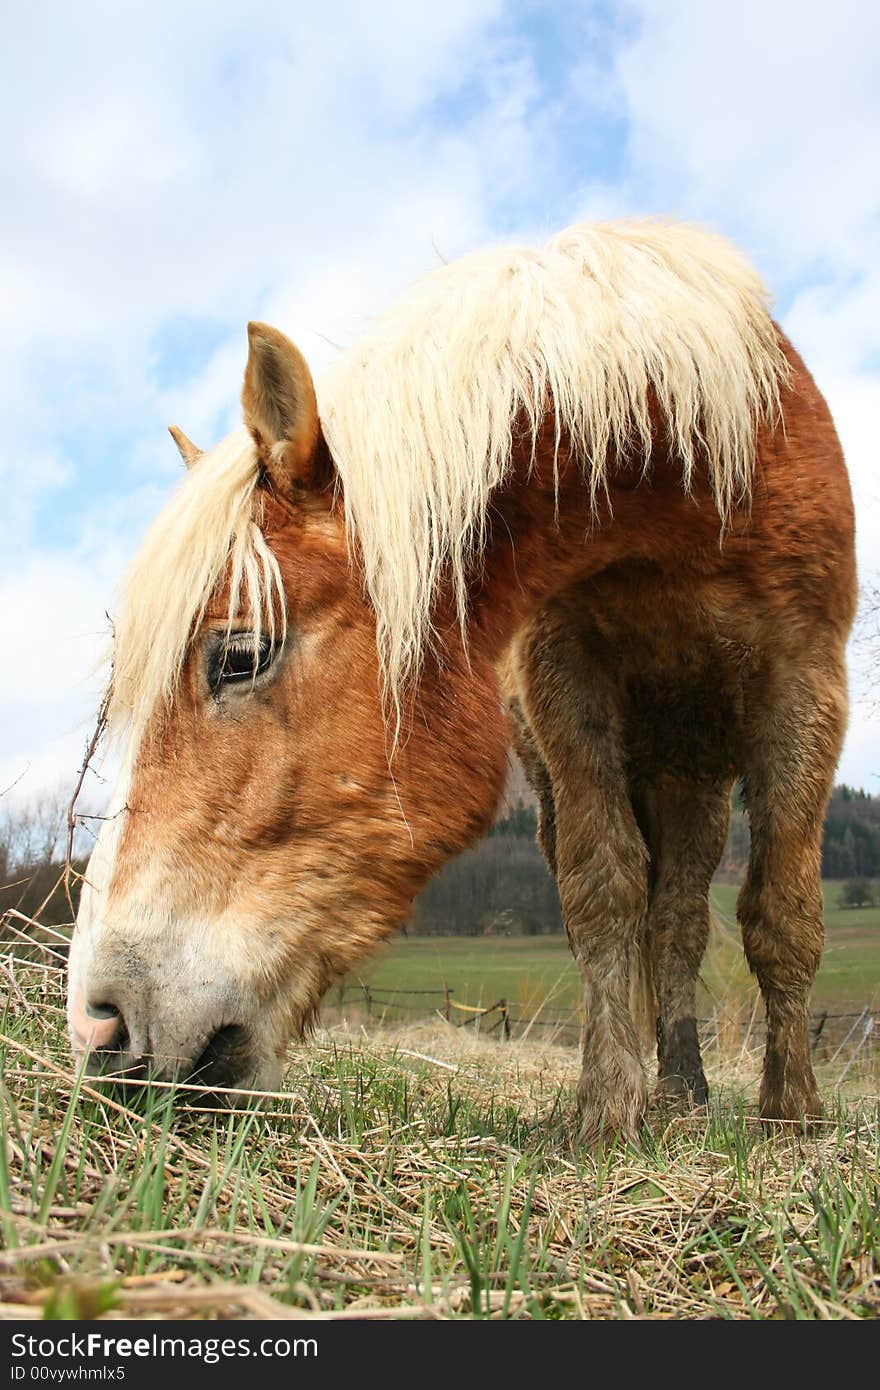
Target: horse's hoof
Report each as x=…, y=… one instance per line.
x=791, y=1111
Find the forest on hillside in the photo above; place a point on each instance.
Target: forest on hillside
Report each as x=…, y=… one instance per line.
x=502, y=884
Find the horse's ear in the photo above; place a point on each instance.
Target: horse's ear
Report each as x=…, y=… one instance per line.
x=189, y=452
x=281, y=411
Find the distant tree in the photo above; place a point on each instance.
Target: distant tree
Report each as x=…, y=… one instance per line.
x=33, y=841
x=857, y=892
x=851, y=839
x=847, y=851
x=501, y=885
x=520, y=820
x=32, y=834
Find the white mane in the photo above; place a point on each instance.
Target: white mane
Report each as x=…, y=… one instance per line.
x=208, y=532
x=418, y=418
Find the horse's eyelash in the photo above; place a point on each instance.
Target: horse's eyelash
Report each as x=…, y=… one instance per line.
x=245, y=642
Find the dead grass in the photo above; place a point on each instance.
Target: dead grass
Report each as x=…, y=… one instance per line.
x=423, y=1171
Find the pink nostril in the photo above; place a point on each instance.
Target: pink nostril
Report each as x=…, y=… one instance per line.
x=97, y=1027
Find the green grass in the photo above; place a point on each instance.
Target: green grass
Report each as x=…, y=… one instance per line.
x=538, y=973
x=530, y=971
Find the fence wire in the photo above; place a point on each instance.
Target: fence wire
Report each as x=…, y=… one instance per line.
x=857, y=1026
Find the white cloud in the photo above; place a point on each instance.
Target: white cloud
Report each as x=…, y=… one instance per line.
x=212, y=163
x=201, y=162
x=55, y=639
x=183, y=159
x=764, y=114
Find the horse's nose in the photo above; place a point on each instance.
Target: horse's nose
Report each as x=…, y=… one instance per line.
x=109, y=1022
x=99, y=1027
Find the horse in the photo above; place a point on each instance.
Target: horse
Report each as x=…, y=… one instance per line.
x=585, y=498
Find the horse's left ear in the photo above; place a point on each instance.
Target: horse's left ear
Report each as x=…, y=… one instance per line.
x=281, y=411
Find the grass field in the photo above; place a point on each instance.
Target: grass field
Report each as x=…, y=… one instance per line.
x=539, y=978
x=422, y=1171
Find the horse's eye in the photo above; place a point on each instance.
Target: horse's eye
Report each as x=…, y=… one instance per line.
x=238, y=657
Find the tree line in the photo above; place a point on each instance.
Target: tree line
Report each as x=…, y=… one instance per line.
x=851, y=839
x=503, y=885
x=500, y=886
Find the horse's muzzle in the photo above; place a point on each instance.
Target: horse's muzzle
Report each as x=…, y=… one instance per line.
x=227, y=1060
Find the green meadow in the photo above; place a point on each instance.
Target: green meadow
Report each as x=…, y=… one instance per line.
x=537, y=975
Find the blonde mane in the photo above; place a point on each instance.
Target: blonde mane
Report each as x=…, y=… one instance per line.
x=418, y=418
x=209, y=532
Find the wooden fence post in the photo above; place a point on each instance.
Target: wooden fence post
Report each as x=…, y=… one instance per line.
x=505, y=1024
x=447, y=1002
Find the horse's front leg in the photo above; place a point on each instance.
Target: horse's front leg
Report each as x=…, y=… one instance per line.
x=601, y=859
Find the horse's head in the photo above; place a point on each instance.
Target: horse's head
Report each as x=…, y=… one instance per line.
x=273, y=821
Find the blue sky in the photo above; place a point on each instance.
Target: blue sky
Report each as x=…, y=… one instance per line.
x=171, y=171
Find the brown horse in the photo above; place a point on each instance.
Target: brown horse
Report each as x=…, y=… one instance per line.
x=595, y=481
